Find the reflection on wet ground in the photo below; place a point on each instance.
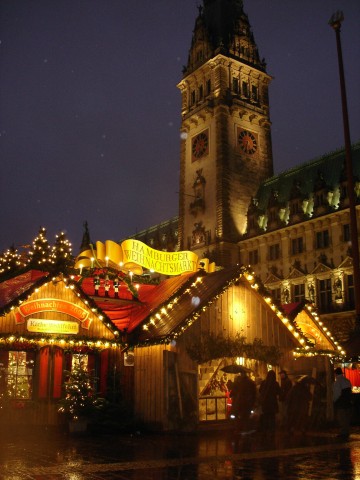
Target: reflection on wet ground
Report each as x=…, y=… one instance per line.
x=48, y=455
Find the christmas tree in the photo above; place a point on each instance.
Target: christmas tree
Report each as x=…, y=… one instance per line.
x=61, y=252
x=11, y=260
x=80, y=399
x=40, y=256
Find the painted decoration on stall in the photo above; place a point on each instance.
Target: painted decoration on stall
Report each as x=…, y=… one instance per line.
x=133, y=255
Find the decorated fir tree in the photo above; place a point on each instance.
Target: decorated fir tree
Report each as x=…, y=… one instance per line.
x=40, y=255
x=10, y=260
x=80, y=399
x=61, y=252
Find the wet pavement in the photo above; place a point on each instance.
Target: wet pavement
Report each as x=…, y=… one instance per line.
x=53, y=455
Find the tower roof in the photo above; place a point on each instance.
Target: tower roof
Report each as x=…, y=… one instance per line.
x=222, y=26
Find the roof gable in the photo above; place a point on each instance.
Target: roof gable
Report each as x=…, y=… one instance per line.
x=199, y=292
x=295, y=273
x=272, y=279
x=346, y=263
x=321, y=268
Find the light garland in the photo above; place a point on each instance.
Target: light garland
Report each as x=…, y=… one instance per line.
x=22, y=342
x=244, y=272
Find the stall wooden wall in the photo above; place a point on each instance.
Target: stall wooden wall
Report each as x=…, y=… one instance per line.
x=149, y=385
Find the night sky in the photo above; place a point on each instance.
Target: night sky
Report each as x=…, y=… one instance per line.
x=90, y=111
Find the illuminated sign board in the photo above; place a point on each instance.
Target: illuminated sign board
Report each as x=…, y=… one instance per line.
x=52, y=326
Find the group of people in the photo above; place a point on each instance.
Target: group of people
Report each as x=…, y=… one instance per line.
x=287, y=400
x=269, y=399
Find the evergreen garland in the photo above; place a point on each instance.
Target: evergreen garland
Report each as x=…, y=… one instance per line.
x=210, y=347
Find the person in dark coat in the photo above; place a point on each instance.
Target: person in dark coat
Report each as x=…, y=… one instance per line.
x=243, y=396
x=285, y=387
x=298, y=402
x=269, y=392
x=342, y=398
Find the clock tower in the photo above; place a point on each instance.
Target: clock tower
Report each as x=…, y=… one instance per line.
x=225, y=131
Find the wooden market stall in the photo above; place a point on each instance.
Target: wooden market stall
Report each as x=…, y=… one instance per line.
x=204, y=322
x=46, y=325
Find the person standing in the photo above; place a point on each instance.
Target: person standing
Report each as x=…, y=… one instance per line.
x=285, y=387
x=269, y=392
x=243, y=396
x=342, y=398
x=298, y=401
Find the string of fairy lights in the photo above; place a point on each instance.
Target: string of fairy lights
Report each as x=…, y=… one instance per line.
x=191, y=288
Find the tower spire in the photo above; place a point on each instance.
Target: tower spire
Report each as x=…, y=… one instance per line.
x=222, y=26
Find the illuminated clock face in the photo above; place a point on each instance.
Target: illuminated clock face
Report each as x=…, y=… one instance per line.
x=200, y=145
x=247, y=142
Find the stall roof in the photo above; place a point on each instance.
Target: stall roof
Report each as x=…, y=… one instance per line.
x=159, y=311
x=124, y=312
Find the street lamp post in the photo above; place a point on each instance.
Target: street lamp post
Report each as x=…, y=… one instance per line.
x=335, y=22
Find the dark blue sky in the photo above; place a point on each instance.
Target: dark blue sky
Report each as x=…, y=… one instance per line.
x=90, y=112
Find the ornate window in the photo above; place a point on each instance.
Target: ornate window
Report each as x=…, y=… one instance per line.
x=297, y=245
x=324, y=294
x=274, y=251
x=346, y=233
x=276, y=293
x=245, y=89
x=349, y=291
x=322, y=239
x=208, y=87
x=253, y=257
x=201, y=92
x=254, y=93
x=235, y=85
x=299, y=292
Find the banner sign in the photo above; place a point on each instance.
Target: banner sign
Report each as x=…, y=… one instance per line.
x=52, y=305
x=133, y=255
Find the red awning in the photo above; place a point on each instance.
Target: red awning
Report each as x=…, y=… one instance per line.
x=13, y=288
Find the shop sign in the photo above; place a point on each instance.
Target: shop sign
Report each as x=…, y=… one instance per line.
x=52, y=326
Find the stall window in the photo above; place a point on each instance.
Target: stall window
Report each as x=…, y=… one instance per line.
x=19, y=377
